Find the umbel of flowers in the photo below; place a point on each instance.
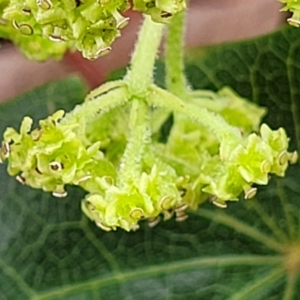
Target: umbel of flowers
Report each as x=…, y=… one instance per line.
x=110, y=145
x=47, y=28
x=131, y=176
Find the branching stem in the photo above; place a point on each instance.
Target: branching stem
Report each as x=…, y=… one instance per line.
x=174, y=57
x=140, y=75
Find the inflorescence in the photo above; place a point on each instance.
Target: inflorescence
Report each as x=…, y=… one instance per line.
x=129, y=175
x=110, y=145
x=45, y=29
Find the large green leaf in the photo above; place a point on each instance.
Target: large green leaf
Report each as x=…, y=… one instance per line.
x=49, y=250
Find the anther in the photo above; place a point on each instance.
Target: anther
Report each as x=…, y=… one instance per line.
x=165, y=14
x=123, y=23
x=99, y=53
x=215, y=201
x=26, y=11
x=135, y=227
x=103, y=51
x=283, y=158
x=21, y=179
x=182, y=207
x=55, y=38
x=136, y=213
x=102, y=226
x=5, y=149
x=180, y=213
x=44, y=4
x=250, y=193
x=84, y=178
x=294, y=157
x=181, y=218
x=56, y=166
x=294, y=21
x=15, y=24
x=26, y=29
x=152, y=222
x=60, y=194
x=265, y=166
x=38, y=171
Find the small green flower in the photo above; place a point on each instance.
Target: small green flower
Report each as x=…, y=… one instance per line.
x=153, y=194
x=254, y=159
x=221, y=180
x=258, y=156
x=278, y=142
x=118, y=207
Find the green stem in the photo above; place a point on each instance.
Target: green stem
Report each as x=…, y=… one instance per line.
x=104, y=89
x=140, y=75
x=139, y=137
x=174, y=56
x=92, y=108
x=212, y=121
x=138, y=79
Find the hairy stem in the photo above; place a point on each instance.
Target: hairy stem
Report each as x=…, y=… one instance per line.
x=139, y=137
x=174, y=56
x=140, y=75
x=93, y=108
x=139, y=79
x=212, y=121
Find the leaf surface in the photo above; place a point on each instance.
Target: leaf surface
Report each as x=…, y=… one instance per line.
x=49, y=250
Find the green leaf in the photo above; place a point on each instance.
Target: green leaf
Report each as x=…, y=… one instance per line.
x=50, y=250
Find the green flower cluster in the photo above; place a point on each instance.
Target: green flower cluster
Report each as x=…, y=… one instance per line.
x=222, y=169
x=294, y=7
x=56, y=155
x=52, y=156
x=116, y=155
x=155, y=192
x=48, y=28
x=34, y=46
x=43, y=28
x=240, y=165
